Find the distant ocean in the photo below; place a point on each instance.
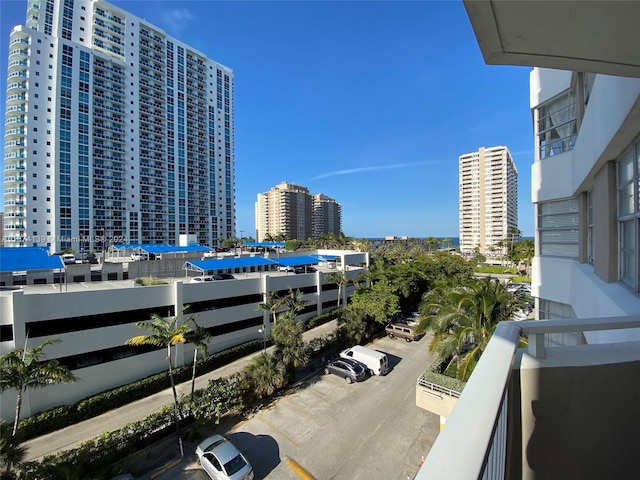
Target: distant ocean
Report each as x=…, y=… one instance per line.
x=453, y=241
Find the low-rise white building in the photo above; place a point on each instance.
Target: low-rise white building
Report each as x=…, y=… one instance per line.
x=94, y=319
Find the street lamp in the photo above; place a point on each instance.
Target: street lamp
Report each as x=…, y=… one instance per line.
x=241, y=242
x=263, y=331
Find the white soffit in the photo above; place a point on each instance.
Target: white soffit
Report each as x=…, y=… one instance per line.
x=600, y=36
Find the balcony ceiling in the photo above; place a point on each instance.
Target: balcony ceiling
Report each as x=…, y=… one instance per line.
x=586, y=36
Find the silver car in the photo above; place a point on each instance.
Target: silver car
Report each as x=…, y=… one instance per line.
x=222, y=460
x=347, y=368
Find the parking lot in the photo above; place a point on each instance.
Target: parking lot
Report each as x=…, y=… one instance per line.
x=369, y=430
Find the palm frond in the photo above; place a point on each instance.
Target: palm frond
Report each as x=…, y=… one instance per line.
x=144, y=340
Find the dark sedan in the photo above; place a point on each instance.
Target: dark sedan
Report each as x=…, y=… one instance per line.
x=223, y=276
x=346, y=368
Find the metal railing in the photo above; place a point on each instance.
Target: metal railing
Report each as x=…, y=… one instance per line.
x=437, y=388
x=473, y=446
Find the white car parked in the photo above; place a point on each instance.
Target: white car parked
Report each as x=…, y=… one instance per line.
x=222, y=460
x=201, y=279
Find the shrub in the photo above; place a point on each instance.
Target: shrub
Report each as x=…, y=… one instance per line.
x=60, y=417
x=323, y=318
x=431, y=375
x=146, y=281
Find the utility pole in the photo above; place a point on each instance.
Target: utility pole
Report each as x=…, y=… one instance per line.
x=263, y=330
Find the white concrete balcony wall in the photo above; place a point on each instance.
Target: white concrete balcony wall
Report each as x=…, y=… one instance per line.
x=575, y=284
x=601, y=137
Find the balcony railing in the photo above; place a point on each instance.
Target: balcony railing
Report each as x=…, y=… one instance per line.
x=475, y=446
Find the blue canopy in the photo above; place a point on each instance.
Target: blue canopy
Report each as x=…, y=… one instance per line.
x=228, y=263
x=297, y=261
x=326, y=258
x=161, y=248
x=16, y=259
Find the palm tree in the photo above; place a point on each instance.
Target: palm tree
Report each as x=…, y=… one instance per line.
x=287, y=336
x=339, y=278
x=463, y=319
x=166, y=332
x=11, y=452
x=24, y=368
x=295, y=301
x=432, y=242
x=198, y=337
x=265, y=374
x=352, y=324
x=362, y=244
x=271, y=304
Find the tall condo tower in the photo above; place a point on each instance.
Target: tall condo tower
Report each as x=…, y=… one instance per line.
x=488, y=199
x=292, y=211
x=114, y=131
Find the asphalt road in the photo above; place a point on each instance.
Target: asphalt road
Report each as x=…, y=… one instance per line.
x=370, y=430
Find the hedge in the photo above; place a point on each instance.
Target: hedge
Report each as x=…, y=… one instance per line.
x=63, y=416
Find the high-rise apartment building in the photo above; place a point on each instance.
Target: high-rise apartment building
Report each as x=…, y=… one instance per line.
x=290, y=210
x=326, y=215
x=113, y=129
x=488, y=199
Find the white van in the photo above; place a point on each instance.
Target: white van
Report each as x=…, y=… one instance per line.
x=377, y=362
x=68, y=258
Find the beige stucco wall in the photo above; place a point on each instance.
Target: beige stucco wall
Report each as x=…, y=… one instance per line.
x=434, y=402
x=578, y=415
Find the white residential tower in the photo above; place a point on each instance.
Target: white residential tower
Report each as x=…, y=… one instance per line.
x=113, y=130
x=488, y=199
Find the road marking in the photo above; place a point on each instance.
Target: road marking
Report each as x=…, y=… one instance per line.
x=324, y=397
x=273, y=427
x=239, y=424
x=304, y=412
x=299, y=470
x=166, y=468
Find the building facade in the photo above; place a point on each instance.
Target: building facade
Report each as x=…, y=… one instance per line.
x=488, y=199
x=326, y=216
x=114, y=132
x=549, y=411
x=289, y=210
x=93, y=320
x=587, y=132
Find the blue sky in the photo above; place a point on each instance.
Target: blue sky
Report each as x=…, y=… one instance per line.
x=368, y=102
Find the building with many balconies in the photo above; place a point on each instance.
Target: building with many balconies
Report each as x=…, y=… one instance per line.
x=566, y=406
x=290, y=210
x=114, y=131
x=488, y=199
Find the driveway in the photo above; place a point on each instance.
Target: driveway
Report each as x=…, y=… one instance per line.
x=369, y=430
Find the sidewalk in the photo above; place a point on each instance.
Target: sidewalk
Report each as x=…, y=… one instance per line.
x=71, y=436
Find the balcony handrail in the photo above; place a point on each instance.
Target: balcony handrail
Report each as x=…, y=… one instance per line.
x=536, y=331
x=437, y=388
x=465, y=430
x=479, y=439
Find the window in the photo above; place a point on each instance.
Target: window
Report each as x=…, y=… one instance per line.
x=558, y=223
x=548, y=309
x=556, y=125
x=590, y=226
x=629, y=215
